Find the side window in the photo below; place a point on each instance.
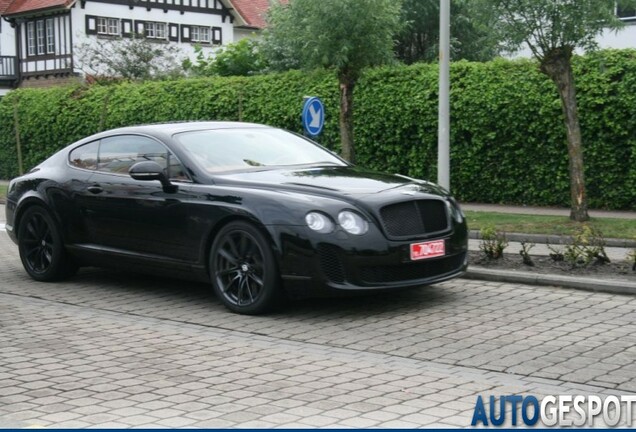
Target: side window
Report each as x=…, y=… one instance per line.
x=176, y=171
x=85, y=156
x=118, y=154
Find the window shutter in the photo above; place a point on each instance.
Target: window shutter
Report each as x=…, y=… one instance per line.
x=185, y=33
x=140, y=28
x=217, y=35
x=91, y=25
x=126, y=28
x=173, y=32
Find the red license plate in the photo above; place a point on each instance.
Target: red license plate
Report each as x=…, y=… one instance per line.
x=429, y=249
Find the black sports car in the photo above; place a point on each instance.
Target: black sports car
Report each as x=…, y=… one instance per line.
x=258, y=211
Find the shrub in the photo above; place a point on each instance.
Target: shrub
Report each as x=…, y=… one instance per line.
x=507, y=134
x=492, y=243
x=588, y=245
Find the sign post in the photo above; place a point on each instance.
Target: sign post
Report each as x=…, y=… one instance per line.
x=313, y=116
x=443, y=138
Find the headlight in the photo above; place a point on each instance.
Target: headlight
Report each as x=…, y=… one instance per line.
x=455, y=210
x=319, y=222
x=352, y=223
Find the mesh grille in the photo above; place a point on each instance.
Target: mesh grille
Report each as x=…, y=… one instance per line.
x=331, y=264
x=414, y=271
x=415, y=218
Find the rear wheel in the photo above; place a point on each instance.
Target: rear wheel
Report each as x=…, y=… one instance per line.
x=243, y=269
x=41, y=248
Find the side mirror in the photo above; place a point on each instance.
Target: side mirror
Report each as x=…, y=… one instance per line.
x=149, y=170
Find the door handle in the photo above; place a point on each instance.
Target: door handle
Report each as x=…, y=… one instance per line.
x=95, y=189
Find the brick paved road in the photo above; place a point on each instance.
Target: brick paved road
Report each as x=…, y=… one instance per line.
x=111, y=349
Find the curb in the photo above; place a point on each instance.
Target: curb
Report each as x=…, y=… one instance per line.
x=599, y=285
x=555, y=239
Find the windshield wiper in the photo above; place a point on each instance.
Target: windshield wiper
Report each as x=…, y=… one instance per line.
x=252, y=163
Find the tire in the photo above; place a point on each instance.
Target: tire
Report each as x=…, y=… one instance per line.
x=41, y=247
x=243, y=270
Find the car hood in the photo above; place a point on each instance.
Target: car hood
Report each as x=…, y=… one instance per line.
x=352, y=181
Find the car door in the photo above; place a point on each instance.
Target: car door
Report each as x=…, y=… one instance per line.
x=134, y=217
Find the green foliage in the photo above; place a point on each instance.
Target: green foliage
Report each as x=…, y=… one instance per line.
x=525, y=253
x=546, y=25
x=631, y=258
x=588, y=245
x=507, y=140
x=241, y=58
x=493, y=243
x=347, y=35
x=471, y=35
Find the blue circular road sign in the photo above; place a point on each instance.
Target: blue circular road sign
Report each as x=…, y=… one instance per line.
x=313, y=116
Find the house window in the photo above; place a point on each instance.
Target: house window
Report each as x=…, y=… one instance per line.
x=39, y=32
x=626, y=12
x=108, y=26
x=155, y=30
x=31, y=38
x=200, y=34
x=50, y=37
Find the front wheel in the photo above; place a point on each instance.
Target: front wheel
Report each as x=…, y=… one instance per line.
x=41, y=248
x=243, y=269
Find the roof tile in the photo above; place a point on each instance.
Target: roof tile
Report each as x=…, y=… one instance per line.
x=254, y=12
x=20, y=6
x=4, y=4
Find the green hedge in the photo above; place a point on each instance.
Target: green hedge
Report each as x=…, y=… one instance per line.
x=507, y=134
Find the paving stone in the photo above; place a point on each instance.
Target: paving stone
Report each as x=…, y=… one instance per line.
x=408, y=359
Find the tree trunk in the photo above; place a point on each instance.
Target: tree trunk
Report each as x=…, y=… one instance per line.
x=558, y=66
x=347, y=85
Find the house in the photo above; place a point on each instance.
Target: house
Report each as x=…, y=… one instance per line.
x=38, y=38
x=624, y=38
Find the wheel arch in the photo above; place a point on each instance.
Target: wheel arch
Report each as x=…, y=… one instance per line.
x=28, y=202
x=276, y=249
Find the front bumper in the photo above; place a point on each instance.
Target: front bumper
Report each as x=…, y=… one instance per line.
x=342, y=262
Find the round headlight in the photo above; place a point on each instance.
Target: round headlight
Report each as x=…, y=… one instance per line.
x=352, y=223
x=319, y=222
x=455, y=210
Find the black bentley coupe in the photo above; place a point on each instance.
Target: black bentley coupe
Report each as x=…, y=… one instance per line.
x=257, y=211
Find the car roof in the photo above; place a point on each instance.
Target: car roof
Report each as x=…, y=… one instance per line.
x=176, y=127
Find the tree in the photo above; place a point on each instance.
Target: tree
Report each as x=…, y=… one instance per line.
x=135, y=58
x=552, y=30
x=471, y=37
x=345, y=35
x=241, y=58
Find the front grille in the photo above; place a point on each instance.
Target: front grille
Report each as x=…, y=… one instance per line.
x=411, y=271
x=331, y=264
x=411, y=218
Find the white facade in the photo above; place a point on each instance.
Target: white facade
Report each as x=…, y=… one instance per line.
x=208, y=27
x=44, y=42
x=8, y=64
x=623, y=38
x=7, y=39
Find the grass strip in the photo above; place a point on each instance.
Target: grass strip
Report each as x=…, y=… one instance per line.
x=557, y=225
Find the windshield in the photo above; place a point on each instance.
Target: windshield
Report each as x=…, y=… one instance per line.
x=220, y=150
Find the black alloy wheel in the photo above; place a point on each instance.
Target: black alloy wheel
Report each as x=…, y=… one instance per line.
x=41, y=250
x=243, y=269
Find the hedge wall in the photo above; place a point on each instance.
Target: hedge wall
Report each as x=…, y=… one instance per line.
x=507, y=135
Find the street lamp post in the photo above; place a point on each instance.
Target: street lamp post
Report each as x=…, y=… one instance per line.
x=443, y=137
